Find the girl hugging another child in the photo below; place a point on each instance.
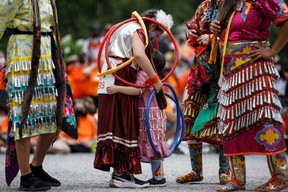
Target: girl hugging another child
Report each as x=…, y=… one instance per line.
x=157, y=121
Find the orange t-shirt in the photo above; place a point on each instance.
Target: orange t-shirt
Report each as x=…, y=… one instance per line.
x=87, y=128
x=79, y=82
x=183, y=82
x=4, y=125
x=2, y=83
x=174, y=82
x=94, y=81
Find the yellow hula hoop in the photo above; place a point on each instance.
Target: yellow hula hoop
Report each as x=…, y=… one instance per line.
x=141, y=22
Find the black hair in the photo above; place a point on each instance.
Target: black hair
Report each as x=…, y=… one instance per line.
x=150, y=13
x=159, y=60
x=81, y=57
x=96, y=29
x=4, y=101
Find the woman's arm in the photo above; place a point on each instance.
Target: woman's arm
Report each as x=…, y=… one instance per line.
x=279, y=43
x=142, y=59
x=123, y=89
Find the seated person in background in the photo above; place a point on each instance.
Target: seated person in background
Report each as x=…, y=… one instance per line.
x=3, y=125
x=4, y=110
x=87, y=128
x=170, y=121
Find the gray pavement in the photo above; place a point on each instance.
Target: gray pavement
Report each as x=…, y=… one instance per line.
x=76, y=173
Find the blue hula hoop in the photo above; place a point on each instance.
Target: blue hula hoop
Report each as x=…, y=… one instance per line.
x=180, y=123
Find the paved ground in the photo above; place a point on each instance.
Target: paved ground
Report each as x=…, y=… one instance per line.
x=76, y=173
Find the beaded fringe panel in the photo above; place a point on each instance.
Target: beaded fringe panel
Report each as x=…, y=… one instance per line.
x=248, y=96
x=157, y=122
x=42, y=109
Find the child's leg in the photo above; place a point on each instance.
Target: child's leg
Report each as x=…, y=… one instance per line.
x=157, y=169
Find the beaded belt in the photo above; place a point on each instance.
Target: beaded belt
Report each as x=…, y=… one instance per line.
x=18, y=32
x=237, y=53
x=242, y=47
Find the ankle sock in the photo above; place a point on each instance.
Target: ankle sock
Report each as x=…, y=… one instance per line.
x=36, y=168
x=27, y=176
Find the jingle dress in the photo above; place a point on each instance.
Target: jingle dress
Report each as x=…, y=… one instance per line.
x=202, y=85
x=18, y=14
x=249, y=104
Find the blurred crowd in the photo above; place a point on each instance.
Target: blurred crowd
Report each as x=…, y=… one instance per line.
x=82, y=74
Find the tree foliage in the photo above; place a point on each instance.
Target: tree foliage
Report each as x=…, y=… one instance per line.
x=76, y=16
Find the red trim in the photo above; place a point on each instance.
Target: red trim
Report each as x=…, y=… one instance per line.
x=254, y=153
x=108, y=37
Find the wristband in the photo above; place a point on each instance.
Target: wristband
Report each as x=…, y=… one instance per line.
x=155, y=79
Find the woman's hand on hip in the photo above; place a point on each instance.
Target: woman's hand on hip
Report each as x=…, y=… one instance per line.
x=262, y=52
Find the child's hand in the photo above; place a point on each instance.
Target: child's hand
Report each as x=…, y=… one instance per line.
x=112, y=89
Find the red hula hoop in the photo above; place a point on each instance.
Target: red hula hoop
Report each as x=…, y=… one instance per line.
x=156, y=43
x=117, y=26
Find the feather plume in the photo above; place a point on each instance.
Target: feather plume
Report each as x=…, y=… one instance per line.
x=164, y=19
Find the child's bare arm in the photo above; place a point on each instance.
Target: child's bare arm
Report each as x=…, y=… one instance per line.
x=123, y=89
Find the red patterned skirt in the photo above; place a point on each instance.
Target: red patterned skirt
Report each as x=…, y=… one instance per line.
x=249, y=107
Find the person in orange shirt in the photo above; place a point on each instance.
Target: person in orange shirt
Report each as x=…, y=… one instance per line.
x=170, y=121
x=172, y=80
x=86, y=126
x=4, y=110
x=2, y=65
x=80, y=81
x=92, y=44
x=3, y=125
x=83, y=78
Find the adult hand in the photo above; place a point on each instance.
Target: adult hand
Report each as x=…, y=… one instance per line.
x=215, y=27
x=191, y=33
x=262, y=52
x=112, y=89
x=203, y=39
x=158, y=86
